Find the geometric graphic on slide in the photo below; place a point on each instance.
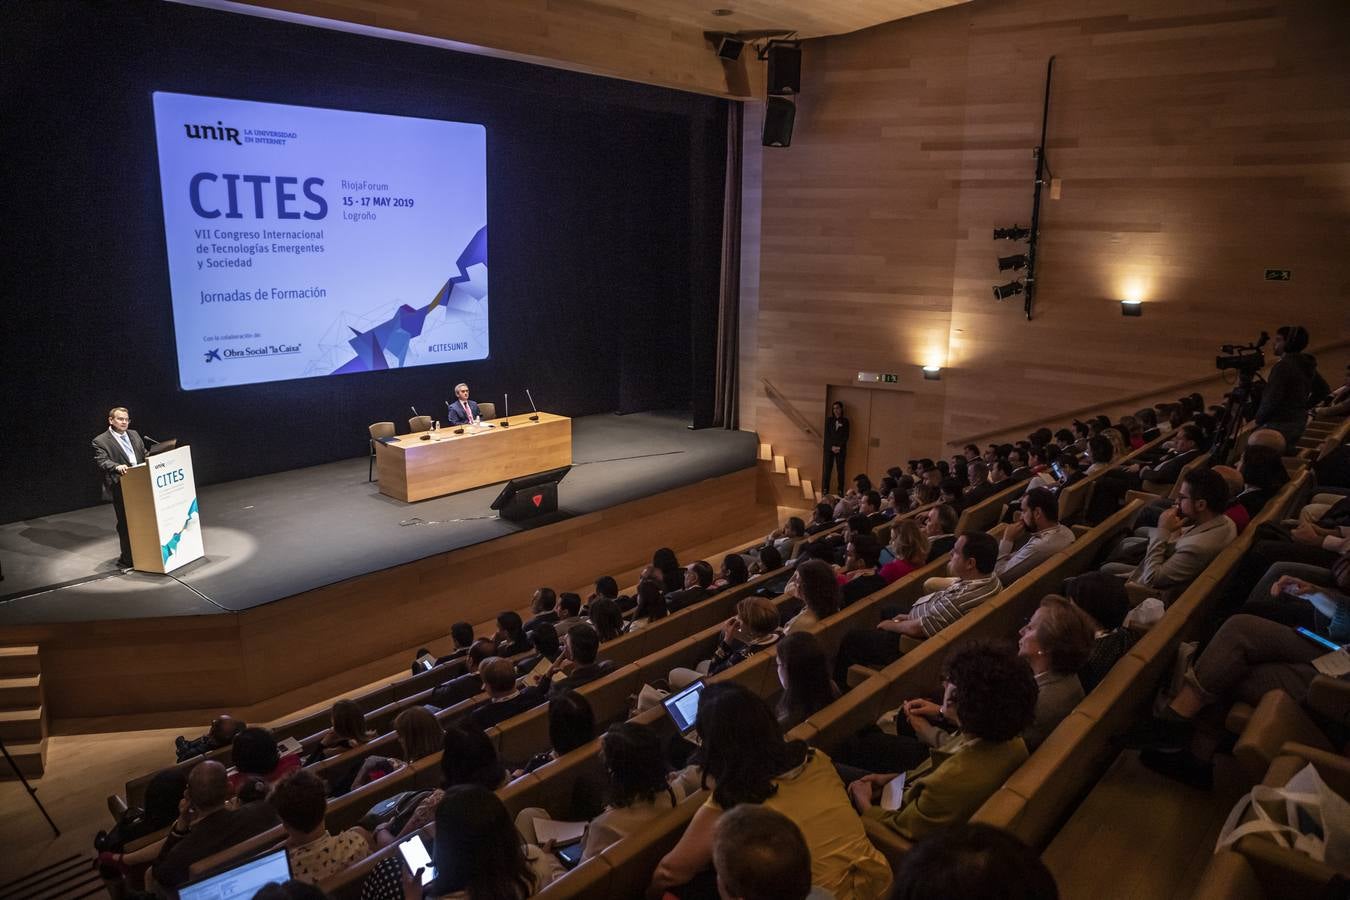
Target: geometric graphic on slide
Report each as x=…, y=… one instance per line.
x=394, y=335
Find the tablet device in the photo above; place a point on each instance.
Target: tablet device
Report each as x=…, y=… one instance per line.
x=682, y=707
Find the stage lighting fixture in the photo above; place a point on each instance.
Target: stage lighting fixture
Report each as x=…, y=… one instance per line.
x=1131, y=307
x=932, y=373
x=1016, y=263
x=1014, y=233
x=1004, y=291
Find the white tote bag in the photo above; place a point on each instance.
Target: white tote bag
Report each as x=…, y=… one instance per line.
x=1304, y=815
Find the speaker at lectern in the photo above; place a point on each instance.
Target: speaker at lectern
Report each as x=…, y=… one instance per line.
x=163, y=520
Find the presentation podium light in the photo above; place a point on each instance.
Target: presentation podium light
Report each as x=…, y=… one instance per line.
x=531, y=496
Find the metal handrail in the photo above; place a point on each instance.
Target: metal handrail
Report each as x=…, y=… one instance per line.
x=783, y=403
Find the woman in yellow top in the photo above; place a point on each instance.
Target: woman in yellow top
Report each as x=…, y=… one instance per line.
x=746, y=760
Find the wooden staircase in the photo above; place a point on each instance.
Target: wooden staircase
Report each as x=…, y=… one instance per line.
x=783, y=482
x=23, y=718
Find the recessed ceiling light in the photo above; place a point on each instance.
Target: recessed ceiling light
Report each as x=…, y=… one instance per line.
x=723, y=12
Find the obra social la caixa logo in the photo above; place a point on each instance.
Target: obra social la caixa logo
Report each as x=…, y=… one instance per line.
x=217, y=132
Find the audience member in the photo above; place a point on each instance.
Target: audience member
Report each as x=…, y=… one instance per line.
x=577, y=664
x=822, y=517
x=300, y=800
x=547, y=649
x=607, y=619
x=746, y=761
x=1285, y=400
x=973, y=861
x=1188, y=535
x=769, y=561
x=543, y=608
x=205, y=825
x=1186, y=447
x=804, y=673
x=419, y=735
x=478, y=854
x=457, y=690
x=636, y=792
x=860, y=576
x=990, y=694
x=939, y=527
x=734, y=572
x=221, y=733
x=254, y=754
x=752, y=629
x=511, y=637
x=1045, y=536
x=606, y=588
x=909, y=547
x=347, y=730
x=569, y=607
x=1100, y=454
x=651, y=605
x=698, y=577
x=1103, y=600
x=667, y=563
x=814, y=584
x=505, y=697
x=461, y=635
x=1056, y=642
x=760, y=854
x=971, y=564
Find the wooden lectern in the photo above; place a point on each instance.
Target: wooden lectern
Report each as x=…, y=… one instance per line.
x=163, y=520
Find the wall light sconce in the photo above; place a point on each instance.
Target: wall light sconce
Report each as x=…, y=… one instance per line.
x=1131, y=307
x=932, y=373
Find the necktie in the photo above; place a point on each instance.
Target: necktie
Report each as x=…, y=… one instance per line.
x=465, y=404
x=126, y=445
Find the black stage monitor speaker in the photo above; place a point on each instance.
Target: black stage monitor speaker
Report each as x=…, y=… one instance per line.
x=779, y=113
x=785, y=69
x=729, y=47
x=533, y=495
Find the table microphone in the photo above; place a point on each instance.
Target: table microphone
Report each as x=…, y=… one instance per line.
x=535, y=417
x=506, y=404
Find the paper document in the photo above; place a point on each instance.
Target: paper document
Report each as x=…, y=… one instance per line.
x=561, y=832
x=892, y=795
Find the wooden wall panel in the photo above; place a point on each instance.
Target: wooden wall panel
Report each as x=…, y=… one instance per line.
x=1198, y=142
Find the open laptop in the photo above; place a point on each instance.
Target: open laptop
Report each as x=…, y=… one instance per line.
x=243, y=881
x=682, y=707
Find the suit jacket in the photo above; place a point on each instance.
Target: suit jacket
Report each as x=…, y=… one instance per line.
x=1168, y=469
x=454, y=414
x=494, y=712
x=688, y=597
x=1176, y=561
x=939, y=546
x=108, y=455
x=836, y=433
x=216, y=832
x=581, y=675
x=549, y=616
x=456, y=690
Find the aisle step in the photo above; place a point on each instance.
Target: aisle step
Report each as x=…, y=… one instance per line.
x=21, y=660
x=20, y=691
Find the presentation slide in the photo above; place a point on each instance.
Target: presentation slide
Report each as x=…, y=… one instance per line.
x=306, y=242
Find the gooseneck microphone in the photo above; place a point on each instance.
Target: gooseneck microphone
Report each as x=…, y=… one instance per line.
x=506, y=405
x=533, y=408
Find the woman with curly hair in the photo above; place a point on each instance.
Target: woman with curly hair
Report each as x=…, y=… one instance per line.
x=990, y=695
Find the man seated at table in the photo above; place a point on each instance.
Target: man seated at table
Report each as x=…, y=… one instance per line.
x=463, y=411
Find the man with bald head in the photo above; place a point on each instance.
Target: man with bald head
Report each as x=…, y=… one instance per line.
x=207, y=824
x=1267, y=437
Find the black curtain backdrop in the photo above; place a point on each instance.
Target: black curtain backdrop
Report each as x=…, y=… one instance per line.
x=604, y=223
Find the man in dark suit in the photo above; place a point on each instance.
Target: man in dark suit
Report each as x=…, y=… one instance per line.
x=205, y=826
x=581, y=646
x=457, y=690
x=463, y=411
x=697, y=577
x=505, y=698
x=1185, y=447
x=116, y=450
x=939, y=525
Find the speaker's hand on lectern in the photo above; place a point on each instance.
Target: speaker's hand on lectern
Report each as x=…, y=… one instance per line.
x=122, y=470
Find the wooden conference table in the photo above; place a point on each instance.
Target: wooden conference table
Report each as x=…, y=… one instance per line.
x=413, y=469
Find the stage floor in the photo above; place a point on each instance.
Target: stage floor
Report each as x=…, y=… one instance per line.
x=279, y=535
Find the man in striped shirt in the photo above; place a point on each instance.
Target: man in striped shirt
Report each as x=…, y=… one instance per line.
x=971, y=564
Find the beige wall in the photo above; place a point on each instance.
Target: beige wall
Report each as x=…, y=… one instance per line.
x=1198, y=142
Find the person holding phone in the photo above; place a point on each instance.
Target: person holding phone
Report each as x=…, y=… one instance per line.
x=1247, y=657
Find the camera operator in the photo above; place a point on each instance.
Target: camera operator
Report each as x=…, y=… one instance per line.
x=1293, y=378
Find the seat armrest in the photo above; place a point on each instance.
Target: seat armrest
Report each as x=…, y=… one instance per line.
x=1334, y=768
x=1329, y=698
x=1140, y=495
x=889, y=841
x=858, y=674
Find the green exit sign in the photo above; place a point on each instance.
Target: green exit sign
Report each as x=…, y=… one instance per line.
x=890, y=379
x=1279, y=274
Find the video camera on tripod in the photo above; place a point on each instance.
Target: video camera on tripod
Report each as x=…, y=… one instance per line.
x=1248, y=359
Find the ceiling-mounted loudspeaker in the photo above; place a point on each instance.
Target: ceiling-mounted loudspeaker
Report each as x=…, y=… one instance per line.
x=729, y=47
x=779, y=114
x=785, y=68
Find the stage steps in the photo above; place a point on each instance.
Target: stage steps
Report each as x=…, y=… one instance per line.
x=784, y=481
x=23, y=717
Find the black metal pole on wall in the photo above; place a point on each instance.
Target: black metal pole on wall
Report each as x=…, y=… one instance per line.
x=1030, y=293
